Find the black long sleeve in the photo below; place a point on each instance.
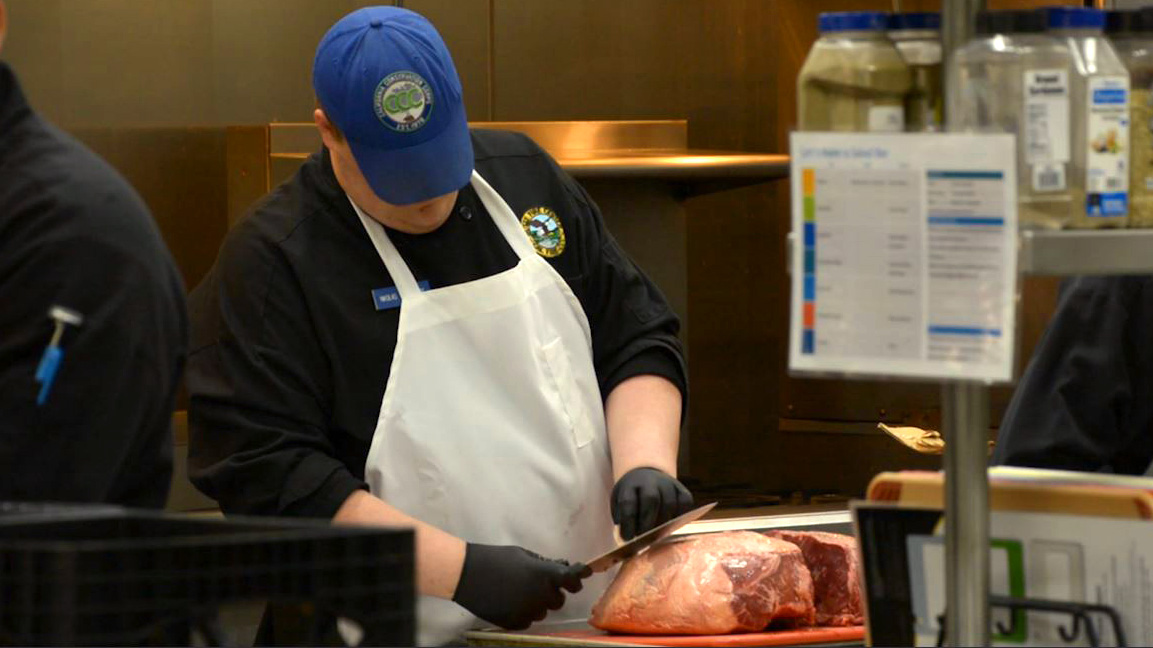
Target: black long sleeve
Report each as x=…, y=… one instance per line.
x=1085, y=402
x=260, y=391
x=634, y=330
x=74, y=234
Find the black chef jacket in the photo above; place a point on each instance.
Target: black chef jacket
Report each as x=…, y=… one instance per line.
x=74, y=234
x=1086, y=399
x=290, y=356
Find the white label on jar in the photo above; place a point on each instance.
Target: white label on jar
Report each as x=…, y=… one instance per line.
x=886, y=119
x=1107, y=162
x=1049, y=177
x=920, y=52
x=1046, y=131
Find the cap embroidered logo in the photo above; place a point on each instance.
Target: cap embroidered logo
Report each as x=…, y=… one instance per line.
x=403, y=101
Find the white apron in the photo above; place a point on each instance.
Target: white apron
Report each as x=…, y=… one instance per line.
x=491, y=426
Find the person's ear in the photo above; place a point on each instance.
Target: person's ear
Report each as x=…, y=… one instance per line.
x=329, y=133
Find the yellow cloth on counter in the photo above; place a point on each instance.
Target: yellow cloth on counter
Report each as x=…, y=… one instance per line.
x=919, y=440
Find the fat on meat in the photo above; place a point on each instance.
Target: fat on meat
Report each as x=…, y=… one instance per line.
x=834, y=561
x=720, y=583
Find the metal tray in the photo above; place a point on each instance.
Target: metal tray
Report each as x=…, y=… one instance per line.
x=580, y=633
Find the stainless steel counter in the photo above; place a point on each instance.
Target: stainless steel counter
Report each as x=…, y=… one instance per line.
x=835, y=518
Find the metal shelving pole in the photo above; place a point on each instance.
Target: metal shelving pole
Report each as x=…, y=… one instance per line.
x=966, y=421
x=965, y=409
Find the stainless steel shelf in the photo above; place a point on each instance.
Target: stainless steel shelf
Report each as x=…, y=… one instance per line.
x=656, y=150
x=1086, y=252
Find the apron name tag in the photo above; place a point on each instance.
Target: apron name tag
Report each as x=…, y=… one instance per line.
x=386, y=298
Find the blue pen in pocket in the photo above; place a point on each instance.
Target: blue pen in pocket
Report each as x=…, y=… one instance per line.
x=53, y=354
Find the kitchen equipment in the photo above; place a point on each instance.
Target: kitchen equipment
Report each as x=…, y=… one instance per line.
x=648, y=538
x=73, y=575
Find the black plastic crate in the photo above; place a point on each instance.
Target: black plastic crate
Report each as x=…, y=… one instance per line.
x=13, y=510
x=114, y=577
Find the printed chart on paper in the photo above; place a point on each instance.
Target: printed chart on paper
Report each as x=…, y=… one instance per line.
x=905, y=260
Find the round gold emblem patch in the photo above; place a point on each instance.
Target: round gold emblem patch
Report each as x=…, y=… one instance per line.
x=544, y=230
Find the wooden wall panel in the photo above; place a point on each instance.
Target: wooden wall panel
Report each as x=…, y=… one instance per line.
x=464, y=25
x=187, y=193
x=596, y=59
x=143, y=63
x=262, y=52
x=34, y=48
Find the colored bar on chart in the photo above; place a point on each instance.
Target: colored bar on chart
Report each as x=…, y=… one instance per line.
x=809, y=249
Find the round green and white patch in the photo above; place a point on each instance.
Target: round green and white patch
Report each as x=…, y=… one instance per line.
x=403, y=101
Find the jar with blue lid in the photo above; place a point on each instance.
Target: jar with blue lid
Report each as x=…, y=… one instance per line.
x=1131, y=33
x=853, y=79
x=1014, y=77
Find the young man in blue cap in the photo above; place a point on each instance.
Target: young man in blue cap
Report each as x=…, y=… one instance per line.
x=431, y=327
x=93, y=329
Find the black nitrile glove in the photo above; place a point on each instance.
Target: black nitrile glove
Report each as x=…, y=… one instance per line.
x=513, y=587
x=645, y=498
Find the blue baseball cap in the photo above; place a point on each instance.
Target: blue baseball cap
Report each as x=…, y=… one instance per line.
x=386, y=79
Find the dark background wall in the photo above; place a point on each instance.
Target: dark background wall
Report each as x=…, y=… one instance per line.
x=151, y=83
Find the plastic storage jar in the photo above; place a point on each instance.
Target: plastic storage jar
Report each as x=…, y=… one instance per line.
x=853, y=79
x=1099, y=91
x=1015, y=78
x=1132, y=35
x=918, y=39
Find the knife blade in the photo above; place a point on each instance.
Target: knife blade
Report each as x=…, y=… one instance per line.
x=645, y=540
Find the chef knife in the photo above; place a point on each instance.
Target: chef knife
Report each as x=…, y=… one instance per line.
x=631, y=548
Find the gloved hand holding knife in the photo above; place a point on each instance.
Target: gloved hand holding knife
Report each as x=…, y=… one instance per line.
x=513, y=587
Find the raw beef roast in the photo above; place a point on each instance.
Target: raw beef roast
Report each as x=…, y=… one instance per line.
x=737, y=581
x=835, y=563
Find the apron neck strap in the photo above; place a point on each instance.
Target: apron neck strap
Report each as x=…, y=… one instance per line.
x=401, y=275
x=498, y=210
x=504, y=218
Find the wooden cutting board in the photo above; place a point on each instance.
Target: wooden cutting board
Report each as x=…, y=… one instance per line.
x=587, y=636
x=926, y=488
